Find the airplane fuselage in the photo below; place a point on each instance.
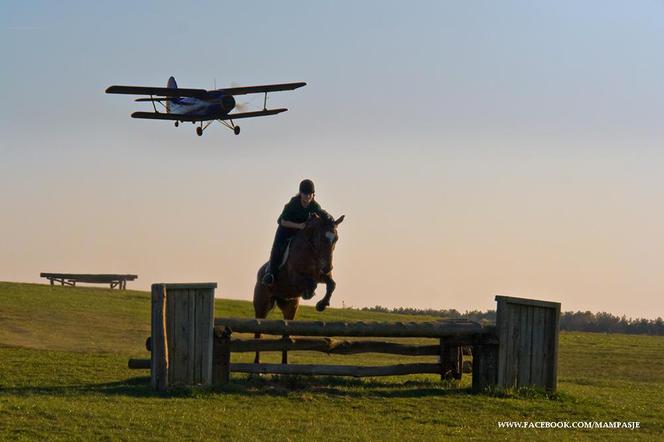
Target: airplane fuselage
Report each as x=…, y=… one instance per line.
x=196, y=106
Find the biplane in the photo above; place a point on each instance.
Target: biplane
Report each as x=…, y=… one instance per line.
x=200, y=105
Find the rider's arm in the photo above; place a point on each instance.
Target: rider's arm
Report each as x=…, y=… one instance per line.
x=292, y=225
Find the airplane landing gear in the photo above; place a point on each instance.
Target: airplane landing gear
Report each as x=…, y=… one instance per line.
x=177, y=123
x=199, y=131
x=229, y=124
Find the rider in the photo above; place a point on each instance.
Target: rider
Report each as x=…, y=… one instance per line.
x=292, y=219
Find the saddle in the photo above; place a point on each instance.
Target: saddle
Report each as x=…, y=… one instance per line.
x=308, y=294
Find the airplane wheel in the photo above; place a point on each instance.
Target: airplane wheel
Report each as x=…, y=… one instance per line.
x=199, y=131
x=236, y=130
x=177, y=123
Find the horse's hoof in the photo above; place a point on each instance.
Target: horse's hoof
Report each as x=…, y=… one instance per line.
x=320, y=305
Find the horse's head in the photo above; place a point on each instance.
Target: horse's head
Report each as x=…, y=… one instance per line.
x=321, y=232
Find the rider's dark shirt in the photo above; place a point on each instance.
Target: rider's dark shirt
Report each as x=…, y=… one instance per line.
x=294, y=212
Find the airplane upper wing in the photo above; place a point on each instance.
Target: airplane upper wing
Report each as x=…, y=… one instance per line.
x=163, y=91
x=205, y=117
x=243, y=90
x=202, y=93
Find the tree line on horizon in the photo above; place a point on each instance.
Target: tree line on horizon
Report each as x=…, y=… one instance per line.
x=601, y=322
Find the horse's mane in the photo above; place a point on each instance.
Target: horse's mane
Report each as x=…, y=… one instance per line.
x=326, y=217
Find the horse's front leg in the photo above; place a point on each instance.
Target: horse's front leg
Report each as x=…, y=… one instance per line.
x=305, y=285
x=330, y=285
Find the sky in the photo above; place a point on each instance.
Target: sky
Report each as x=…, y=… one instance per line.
x=476, y=147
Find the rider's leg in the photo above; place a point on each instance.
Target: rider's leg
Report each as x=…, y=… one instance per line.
x=278, y=247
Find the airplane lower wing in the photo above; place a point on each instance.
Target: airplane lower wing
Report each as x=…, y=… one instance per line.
x=206, y=117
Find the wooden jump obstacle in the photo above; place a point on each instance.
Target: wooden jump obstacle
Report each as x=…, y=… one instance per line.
x=190, y=347
x=70, y=279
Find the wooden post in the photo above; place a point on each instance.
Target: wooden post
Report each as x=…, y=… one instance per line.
x=485, y=366
x=528, y=333
x=221, y=365
x=182, y=324
x=284, y=353
x=451, y=361
x=159, y=341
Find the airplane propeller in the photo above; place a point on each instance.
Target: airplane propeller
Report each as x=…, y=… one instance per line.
x=240, y=107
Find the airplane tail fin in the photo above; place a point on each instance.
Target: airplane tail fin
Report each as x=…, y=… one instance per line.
x=172, y=84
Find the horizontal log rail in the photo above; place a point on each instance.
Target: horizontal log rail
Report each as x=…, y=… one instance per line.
x=332, y=346
x=321, y=370
x=139, y=364
x=433, y=329
x=337, y=370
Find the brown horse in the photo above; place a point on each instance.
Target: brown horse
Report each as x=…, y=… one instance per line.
x=309, y=262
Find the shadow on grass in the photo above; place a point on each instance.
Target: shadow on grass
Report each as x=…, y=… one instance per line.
x=256, y=386
x=276, y=385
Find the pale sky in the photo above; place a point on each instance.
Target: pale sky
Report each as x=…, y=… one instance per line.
x=476, y=147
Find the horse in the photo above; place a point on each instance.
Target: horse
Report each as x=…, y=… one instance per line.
x=308, y=263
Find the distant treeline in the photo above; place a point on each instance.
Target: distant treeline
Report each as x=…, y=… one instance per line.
x=570, y=321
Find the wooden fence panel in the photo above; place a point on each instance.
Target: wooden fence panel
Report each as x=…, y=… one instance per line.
x=528, y=332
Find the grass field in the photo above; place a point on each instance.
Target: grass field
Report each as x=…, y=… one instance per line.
x=63, y=375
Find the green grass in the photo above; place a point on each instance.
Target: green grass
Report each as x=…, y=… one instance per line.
x=63, y=375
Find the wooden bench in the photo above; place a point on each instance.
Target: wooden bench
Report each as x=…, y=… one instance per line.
x=119, y=281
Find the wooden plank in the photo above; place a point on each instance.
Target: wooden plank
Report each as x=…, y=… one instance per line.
x=332, y=346
x=159, y=339
x=182, y=326
x=336, y=370
x=434, y=329
x=209, y=327
x=537, y=366
x=204, y=302
x=197, y=303
x=174, y=345
x=512, y=319
x=531, y=302
x=553, y=332
x=192, y=325
x=501, y=332
x=190, y=286
x=524, y=345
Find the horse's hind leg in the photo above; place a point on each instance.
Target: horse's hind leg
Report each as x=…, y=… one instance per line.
x=289, y=308
x=263, y=303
